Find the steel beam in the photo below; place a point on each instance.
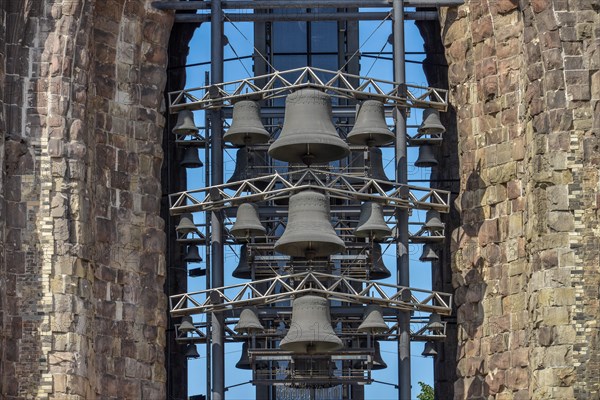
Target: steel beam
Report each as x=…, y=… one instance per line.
x=295, y=4
x=338, y=16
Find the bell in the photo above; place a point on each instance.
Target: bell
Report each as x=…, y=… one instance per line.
x=244, y=361
x=371, y=223
x=247, y=167
x=435, y=323
x=373, y=166
x=248, y=322
x=191, y=351
x=190, y=158
x=378, y=270
x=310, y=331
x=426, y=157
x=429, y=350
x=428, y=254
x=377, y=361
x=192, y=254
x=432, y=221
x=373, y=320
x=186, y=224
x=308, y=232
x=247, y=223
x=308, y=135
x=185, y=123
x=187, y=324
x=431, y=122
x=242, y=271
x=246, y=126
x=370, y=128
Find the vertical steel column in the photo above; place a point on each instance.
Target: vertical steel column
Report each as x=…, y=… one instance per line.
x=402, y=266
x=217, y=264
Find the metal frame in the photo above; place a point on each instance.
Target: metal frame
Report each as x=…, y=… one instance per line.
x=288, y=287
x=274, y=4
x=282, y=83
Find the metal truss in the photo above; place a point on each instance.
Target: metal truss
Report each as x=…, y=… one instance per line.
x=281, y=83
x=281, y=185
x=284, y=288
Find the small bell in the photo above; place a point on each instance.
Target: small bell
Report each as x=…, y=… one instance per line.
x=185, y=123
x=246, y=125
x=248, y=322
x=428, y=254
x=435, y=323
x=190, y=158
x=371, y=223
x=192, y=254
x=243, y=271
x=377, y=269
x=433, y=221
x=370, y=128
x=187, y=324
x=373, y=320
x=247, y=222
x=191, y=351
x=186, y=224
x=248, y=166
x=426, y=157
x=431, y=122
x=429, y=350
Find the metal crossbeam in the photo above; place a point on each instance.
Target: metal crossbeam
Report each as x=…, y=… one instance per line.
x=281, y=185
x=281, y=83
x=284, y=288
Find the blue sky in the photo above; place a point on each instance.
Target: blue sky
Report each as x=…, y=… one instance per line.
x=420, y=272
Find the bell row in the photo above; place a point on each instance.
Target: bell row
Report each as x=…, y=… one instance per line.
x=308, y=135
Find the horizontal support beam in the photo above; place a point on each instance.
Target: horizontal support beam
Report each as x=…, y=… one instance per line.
x=338, y=16
x=295, y=4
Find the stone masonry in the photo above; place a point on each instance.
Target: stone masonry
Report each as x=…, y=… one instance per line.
x=524, y=79
x=82, y=309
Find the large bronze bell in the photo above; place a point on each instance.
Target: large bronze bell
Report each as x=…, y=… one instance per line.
x=377, y=269
x=247, y=222
x=308, y=232
x=248, y=322
x=243, y=271
x=431, y=122
x=371, y=223
x=370, y=128
x=310, y=331
x=372, y=320
x=308, y=135
x=248, y=165
x=426, y=157
x=190, y=158
x=246, y=126
x=185, y=123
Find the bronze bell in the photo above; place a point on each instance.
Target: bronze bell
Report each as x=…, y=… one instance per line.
x=246, y=126
x=370, y=128
x=435, y=323
x=371, y=223
x=310, y=331
x=433, y=221
x=244, y=361
x=247, y=223
x=248, y=322
x=426, y=157
x=429, y=350
x=308, y=135
x=186, y=224
x=191, y=351
x=377, y=361
x=248, y=166
x=309, y=232
x=185, y=123
x=187, y=324
x=428, y=253
x=190, y=158
x=431, y=122
x=243, y=271
x=192, y=254
x=377, y=269
x=373, y=167
x=372, y=320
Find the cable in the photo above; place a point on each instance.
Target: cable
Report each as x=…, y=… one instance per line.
x=252, y=44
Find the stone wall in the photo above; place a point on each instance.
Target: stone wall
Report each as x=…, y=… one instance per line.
x=524, y=79
x=82, y=309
